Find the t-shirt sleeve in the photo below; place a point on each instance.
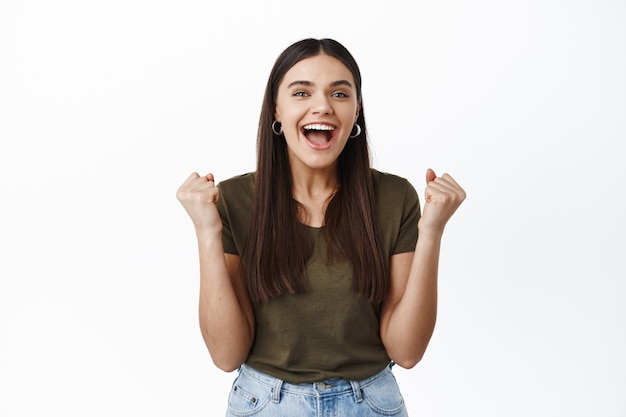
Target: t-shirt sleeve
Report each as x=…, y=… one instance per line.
x=227, y=231
x=234, y=206
x=407, y=233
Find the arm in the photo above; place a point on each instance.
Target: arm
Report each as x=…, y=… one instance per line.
x=226, y=315
x=408, y=315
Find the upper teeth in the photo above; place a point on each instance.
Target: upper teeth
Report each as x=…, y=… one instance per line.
x=318, y=127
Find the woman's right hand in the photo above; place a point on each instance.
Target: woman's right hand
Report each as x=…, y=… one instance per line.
x=199, y=195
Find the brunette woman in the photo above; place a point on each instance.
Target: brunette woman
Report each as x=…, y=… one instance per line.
x=313, y=281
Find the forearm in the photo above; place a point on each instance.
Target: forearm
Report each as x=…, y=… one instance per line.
x=225, y=318
x=411, y=322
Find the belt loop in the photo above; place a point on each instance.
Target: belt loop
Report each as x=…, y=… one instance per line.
x=276, y=390
x=356, y=390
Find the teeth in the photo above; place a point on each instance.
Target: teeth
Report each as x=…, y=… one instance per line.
x=318, y=127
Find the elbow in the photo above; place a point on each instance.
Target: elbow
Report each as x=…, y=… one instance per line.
x=407, y=362
x=227, y=364
x=225, y=358
x=407, y=353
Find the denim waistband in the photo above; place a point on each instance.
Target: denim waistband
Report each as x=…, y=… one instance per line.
x=328, y=387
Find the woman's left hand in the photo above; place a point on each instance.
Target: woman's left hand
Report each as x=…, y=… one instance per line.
x=443, y=197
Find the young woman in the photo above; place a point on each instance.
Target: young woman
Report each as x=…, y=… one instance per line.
x=313, y=281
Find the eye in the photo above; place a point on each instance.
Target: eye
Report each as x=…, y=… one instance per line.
x=339, y=94
x=300, y=94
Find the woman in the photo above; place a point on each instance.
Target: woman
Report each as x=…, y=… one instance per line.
x=313, y=281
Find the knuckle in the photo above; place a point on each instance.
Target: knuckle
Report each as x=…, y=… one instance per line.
x=182, y=194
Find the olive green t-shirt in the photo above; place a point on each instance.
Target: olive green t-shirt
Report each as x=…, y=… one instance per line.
x=328, y=331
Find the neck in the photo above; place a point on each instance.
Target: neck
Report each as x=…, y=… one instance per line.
x=313, y=190
x=314, y=183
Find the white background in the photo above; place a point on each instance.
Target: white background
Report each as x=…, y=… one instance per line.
x=106, y=107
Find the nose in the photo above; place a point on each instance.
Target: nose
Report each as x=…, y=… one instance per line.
x=321, y=105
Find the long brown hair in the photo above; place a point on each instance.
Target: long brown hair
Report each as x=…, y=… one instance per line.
x=279, y=244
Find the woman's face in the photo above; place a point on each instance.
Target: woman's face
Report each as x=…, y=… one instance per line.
x=317, y=106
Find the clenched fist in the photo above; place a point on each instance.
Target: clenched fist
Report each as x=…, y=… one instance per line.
x=443, y=197
x=198, y=195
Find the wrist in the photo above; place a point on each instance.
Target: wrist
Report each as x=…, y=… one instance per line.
x=209, y=236
x=425, y=233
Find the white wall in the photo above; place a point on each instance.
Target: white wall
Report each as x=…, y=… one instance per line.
x=106, y=107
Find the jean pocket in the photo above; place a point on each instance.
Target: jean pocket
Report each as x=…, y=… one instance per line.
x=247, y=396
x=383, y=396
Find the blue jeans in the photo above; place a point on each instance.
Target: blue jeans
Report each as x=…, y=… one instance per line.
x=257, y=394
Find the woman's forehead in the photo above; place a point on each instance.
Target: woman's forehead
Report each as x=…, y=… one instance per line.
x=321, y=68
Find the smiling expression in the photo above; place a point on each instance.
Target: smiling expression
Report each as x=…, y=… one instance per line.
x=317, y=106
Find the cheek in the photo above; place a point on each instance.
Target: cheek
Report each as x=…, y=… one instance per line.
x=281, y=112
x=289, y=116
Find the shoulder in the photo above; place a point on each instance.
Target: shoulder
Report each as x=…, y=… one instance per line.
x=398, y=211
x=395, y=195
x=236, y=194
x=391, y=185
x=243, y=182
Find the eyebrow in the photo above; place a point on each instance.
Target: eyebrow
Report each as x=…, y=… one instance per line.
x=310, y=84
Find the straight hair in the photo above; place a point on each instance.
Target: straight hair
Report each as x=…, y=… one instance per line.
x=279, y=244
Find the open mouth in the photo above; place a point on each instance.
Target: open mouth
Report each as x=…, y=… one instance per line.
x=318, y=135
